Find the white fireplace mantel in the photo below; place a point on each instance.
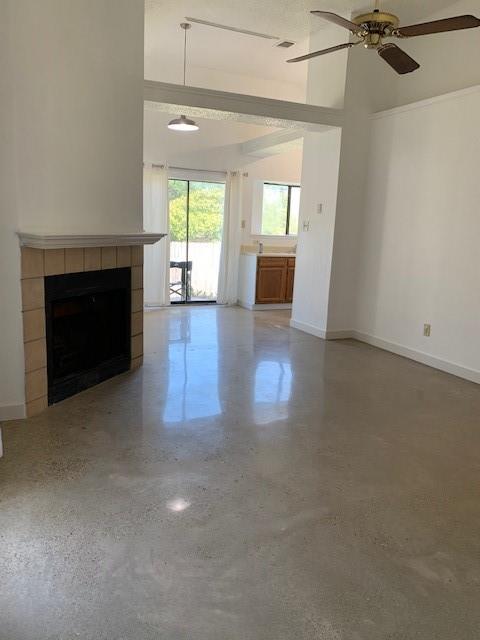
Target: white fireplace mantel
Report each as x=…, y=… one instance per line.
x=73, y=241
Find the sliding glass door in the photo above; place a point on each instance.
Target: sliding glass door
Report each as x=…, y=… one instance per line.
x=196, y=222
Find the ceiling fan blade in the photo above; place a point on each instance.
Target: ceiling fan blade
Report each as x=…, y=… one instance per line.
x=308, y=56
x=398, y=59
x=338, y=20
x=439, y=26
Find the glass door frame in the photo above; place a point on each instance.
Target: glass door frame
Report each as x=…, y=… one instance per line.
x=187, y=240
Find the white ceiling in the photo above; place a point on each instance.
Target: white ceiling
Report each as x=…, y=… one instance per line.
x=228, y=52
x=217, y=143
x=211, y=132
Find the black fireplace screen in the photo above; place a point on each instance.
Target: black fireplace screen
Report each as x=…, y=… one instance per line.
x=88, y=329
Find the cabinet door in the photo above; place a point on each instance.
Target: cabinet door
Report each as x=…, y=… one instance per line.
x=290, y=279
x=271, y=284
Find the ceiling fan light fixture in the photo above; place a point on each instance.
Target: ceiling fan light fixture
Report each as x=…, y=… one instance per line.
x=183, y=124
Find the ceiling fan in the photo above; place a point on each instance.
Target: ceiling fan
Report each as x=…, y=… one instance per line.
x=373, y=27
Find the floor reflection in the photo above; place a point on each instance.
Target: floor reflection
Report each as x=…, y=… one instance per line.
x=192, y=377
x=273, y=387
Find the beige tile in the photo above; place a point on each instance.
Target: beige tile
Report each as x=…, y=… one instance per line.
x=33, y=325
x=137, y=323
x=137, y=346
x=36, y=384
x=37, y=406
x=136, y=363
x=137, y=300
x=137, y=255
x=137, y=278
x=54, y=262
x=109, y=257
x=74, y=260
x=32, y=262
x=33, y=294
x=93, y=259
x=124, y=256
x=35, y=355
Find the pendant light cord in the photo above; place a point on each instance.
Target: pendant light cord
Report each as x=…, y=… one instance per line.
x=185, y=58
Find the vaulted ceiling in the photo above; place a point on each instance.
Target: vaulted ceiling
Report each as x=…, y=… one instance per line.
x=213, y=50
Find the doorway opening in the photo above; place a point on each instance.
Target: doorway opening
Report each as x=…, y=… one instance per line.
x=196, y=210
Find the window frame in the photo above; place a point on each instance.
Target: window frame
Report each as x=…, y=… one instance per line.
x=289, y=202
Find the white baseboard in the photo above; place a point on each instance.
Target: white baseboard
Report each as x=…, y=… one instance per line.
x=308, y=328
x=339, y=335
x=12, y=412
x=419, y=356
x=264, y=307
x=320, y=333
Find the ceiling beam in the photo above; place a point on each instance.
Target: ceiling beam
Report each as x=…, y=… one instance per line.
x=272, y=143
x=222, y=105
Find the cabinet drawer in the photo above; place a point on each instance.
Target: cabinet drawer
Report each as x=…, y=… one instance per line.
x=272, y=262
x=291, y=262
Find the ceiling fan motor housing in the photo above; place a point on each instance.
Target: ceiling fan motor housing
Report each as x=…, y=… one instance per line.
x=375, y=26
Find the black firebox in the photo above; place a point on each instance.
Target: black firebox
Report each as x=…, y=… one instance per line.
x=88, y=329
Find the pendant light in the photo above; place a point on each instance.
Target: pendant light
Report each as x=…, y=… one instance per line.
x=183, y=123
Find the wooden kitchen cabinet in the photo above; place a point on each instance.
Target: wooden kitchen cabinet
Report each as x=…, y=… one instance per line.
x=290, y=280
x=275, y=278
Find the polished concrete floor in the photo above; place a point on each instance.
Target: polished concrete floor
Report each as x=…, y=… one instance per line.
x=250, y=483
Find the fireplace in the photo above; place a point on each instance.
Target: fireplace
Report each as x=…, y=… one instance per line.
x=87, y=329
x=88, y=302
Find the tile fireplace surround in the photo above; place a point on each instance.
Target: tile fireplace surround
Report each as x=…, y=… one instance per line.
x=37, y=263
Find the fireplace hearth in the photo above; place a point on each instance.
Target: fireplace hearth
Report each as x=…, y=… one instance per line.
x=87, y=329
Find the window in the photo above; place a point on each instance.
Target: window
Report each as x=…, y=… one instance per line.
x=280, y=209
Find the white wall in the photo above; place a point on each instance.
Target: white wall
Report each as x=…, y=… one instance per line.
x=78, y=98
x=11, y=343
x=366, y=80
x=220, y=59
x=72, y=159
x=320, y=175
x=327, y=74
x=449, y=61
x=421, y=228
x=219, y=80
x=314, y=253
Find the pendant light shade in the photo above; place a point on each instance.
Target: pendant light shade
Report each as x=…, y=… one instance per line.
x=183, y=123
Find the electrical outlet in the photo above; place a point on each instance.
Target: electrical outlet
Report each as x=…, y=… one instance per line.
x=427, y=330
x=306, y=225
x=243, y=224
